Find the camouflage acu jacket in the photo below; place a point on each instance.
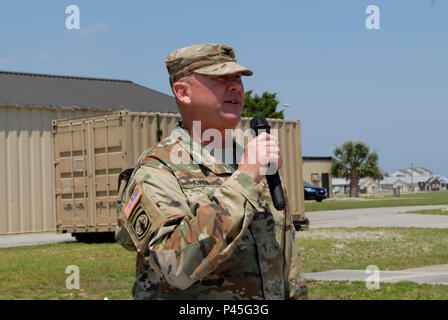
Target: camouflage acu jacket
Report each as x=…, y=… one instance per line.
x=209, y=231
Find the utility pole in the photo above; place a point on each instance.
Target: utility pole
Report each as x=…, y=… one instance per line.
x=412, y=177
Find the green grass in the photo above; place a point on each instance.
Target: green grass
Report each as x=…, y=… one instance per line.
x=356, y=290
x=357, y=248
x=387, y=248
x=378, y=201
x=107, y=270
x=38, y=272
x=434, y=211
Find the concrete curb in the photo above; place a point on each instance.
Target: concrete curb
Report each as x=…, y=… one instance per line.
x=377, y=217
x=15, y=240
x=426, y=275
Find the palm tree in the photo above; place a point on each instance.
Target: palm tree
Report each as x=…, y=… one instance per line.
x=353, y=161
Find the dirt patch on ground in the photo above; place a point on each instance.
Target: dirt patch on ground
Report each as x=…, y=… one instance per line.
x=347, y=235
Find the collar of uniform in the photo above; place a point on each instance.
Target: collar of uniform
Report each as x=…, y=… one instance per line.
x=199, y=154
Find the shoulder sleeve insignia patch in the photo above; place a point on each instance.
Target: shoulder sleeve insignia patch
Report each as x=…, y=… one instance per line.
x=136, y=195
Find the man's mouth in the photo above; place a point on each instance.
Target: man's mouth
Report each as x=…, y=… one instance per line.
x=233, y=101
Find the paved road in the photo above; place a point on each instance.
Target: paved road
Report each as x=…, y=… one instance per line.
x=377, y=217
x=372, y=217
x=430, y=275
x=15, y=240
x=381, y=217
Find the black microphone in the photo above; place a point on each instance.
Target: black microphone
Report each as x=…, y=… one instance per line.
x=260, y=125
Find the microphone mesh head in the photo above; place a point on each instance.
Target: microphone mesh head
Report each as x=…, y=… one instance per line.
x=259, y=122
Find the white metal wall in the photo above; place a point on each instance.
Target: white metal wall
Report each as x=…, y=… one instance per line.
x=26, y=168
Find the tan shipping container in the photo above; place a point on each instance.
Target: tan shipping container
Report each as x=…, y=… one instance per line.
x=26, y=168
x=90, y=153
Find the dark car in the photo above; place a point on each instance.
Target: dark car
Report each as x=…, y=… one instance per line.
x=314, y=192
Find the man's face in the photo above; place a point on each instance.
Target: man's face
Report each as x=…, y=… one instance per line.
x=217, y=101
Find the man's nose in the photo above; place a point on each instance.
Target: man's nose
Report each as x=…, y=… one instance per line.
x=235, y=84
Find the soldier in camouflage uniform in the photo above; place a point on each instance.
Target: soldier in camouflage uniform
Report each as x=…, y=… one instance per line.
x=202, y=228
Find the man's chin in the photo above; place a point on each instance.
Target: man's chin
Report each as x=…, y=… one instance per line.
x=232, y=119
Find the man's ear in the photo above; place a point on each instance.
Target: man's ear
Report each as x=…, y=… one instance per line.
x=181, y=90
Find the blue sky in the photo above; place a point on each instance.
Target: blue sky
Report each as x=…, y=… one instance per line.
x=386, y=87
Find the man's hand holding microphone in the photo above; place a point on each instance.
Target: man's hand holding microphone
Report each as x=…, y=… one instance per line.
x=262, y=158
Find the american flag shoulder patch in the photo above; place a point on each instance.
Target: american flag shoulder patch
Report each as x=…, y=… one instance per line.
x=136, y=195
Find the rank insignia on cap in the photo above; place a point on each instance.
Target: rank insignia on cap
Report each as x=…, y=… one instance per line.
x=136, y=195
x=228, y=51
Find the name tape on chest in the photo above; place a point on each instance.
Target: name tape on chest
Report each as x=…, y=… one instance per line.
x=136, y=195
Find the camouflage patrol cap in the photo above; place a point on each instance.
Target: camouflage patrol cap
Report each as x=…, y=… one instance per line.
x=207, y=58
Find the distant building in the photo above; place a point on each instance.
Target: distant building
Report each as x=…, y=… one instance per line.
x=317, y=171
x=28, y=104
x=388, y=184
x=415, y=172
x=405, y=180
x=340, y=185
x=434, y=183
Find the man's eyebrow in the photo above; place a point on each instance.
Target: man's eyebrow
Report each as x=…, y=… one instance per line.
x=218, y=76
x=230, y=75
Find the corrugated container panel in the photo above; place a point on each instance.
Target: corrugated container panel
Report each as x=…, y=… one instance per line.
x=90, y=153
x=289, y=137
x=26, y=168
x=3, y=174
x=144, y=130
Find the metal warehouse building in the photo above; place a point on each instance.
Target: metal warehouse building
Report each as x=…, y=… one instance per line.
x=28, y=104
